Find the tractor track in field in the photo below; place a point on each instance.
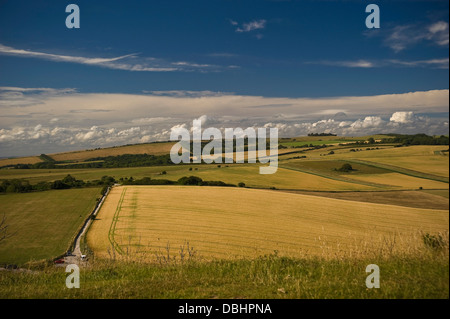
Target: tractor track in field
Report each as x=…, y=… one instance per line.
x=112, y=228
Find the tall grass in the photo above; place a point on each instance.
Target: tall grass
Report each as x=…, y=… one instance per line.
x=420, y=272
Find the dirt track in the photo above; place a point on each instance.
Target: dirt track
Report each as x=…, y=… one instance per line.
x=75, y=258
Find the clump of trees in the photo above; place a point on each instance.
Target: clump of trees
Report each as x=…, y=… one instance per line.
x=417, y=139
x=194, y=180
x=345, y=168
x=322, y=134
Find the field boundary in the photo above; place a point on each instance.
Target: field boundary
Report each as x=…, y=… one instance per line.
x=340, y=179
x=81, y=237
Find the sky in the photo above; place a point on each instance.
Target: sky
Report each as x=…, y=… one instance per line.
x=136, y=69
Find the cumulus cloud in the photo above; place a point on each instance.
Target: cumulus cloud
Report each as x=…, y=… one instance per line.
x=402, y=117
x=368, y=122
x=49, y=120
x=45, y=138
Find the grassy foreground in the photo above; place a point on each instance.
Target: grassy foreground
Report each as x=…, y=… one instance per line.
x=268, y=277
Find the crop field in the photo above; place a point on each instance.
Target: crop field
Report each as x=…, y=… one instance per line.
x=155, y=221
x=377, y=176
x=20, y=160
x=401, y=181
x=418, y=158
x=151, y=149
x=432, y=199
x=43, y=224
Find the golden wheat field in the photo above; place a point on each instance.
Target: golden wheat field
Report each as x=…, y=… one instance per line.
x=219, y=222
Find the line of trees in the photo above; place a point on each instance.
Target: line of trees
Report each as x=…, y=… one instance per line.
x=417, y=139
x=322, y=134
x=125, y=160
x=24, y=186
x=186, y=180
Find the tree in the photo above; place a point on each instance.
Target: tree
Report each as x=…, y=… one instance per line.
x=69, y=180
x=345, y=168
x=371, y=140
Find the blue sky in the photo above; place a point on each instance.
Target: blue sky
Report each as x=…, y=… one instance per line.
x=282, y=57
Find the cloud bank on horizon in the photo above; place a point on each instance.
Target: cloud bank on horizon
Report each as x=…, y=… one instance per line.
x=37, y=120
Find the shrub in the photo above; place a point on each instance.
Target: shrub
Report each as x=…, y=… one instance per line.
x=435, y=242
x=58, y=184
x=191, y=180
x=108, y=180
x=69, y=180
x=241, y=184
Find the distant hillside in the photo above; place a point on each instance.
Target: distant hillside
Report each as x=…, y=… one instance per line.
x=163, y=148
x=158, y=148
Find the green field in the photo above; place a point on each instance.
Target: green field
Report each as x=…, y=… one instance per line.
x=43, y=224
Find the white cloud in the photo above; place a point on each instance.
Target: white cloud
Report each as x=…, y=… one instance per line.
x=129, y=62
x=434, y=63
x=250, y=26
x=349, y=64
x=441, y=63
x=187, y=93
x=439, y=33
x=368, y=122
x=403, y=117
x=402, y=37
